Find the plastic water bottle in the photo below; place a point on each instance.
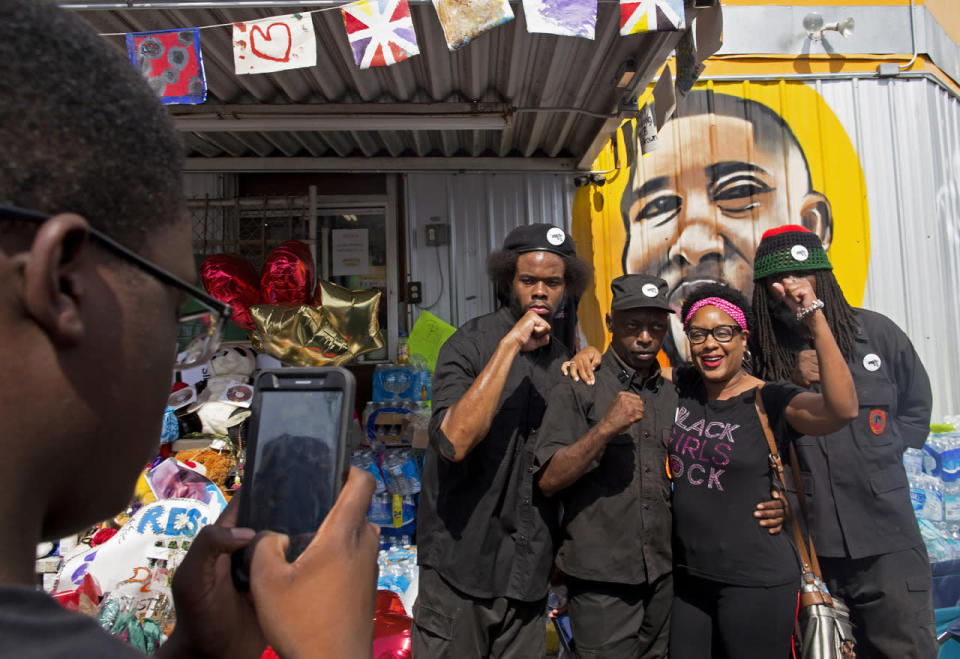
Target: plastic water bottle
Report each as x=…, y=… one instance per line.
x=401, y=472
x=366, y=459
x=913, y=460
x=939, y=547
x=397, y=381
x=950, y=457
x=932, y=450
x=951, y=502
x=381, y=509
x=926, y=494
x=393, y=578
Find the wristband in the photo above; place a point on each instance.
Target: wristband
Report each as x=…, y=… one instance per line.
x=803, y=313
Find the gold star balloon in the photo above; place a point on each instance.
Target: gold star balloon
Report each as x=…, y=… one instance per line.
x=353, y=314
x=340, y=325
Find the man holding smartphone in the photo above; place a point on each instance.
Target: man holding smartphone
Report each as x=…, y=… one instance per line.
x=485, y=532
x=95, y=269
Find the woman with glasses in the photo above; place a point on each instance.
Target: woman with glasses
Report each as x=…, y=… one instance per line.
x=735, y=584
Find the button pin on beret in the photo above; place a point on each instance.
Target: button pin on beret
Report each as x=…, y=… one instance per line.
x=540, y=237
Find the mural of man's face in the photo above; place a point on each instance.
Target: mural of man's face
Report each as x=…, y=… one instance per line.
x=707, y=195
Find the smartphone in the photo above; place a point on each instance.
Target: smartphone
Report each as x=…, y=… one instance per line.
x=296, y=458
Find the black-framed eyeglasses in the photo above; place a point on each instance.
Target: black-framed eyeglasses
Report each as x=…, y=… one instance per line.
x=201, y=318
x=722, y=333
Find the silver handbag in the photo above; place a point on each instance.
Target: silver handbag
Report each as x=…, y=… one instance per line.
x=823, y=630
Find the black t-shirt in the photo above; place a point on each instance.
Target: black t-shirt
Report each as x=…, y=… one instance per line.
x=32, y=624
x=720, y=469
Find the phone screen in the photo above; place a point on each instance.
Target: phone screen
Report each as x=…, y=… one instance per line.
x=294, y=483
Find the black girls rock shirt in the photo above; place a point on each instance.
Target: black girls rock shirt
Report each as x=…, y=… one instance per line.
x=719, y=465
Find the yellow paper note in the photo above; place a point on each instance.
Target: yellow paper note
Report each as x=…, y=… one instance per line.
x=427, y=335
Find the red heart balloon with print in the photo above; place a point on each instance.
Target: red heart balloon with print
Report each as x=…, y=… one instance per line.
x=233, y=280
x=391, y=628
x=288, y=275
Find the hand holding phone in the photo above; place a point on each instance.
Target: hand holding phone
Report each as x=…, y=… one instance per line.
x=323, y=603
x=213, y=618
x=296, y=455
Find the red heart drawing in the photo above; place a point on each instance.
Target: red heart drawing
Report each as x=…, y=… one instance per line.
x=266, y=37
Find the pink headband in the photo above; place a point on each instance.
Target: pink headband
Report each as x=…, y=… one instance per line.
x=728, y=308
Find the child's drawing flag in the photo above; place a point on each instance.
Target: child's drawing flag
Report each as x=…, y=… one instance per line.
x=274, y=44
x=380, y=32
x=170, y=60
x=568, y=18
x=649, y=15
x=464, y=21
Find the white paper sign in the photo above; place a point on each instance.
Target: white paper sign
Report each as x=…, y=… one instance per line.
x=123, y=561
x=274, y=44
x=351, y=252
x=193, y=376
x=647, y=130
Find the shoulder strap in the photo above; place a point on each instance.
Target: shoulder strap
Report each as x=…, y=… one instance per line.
x=801, y=497
x=808, y=559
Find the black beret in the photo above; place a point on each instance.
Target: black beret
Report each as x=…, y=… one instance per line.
x=540, y=238
x=639, y=292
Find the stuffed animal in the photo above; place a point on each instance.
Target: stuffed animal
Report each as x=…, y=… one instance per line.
x=216, y=464
x=223, y=403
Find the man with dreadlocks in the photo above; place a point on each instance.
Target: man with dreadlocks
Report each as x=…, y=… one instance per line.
x=870, y=548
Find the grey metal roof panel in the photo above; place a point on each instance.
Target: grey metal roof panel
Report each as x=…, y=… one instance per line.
x=506, y=65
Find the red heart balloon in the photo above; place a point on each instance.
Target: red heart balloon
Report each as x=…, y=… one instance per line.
x=391, y=628
x=287, y=276
x=232, y=279
x=389, y=602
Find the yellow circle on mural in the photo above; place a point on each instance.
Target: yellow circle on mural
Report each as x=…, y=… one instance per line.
x=705, y=161
x=834, y=170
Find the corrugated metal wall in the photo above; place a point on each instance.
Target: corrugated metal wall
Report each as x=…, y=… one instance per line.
x=480, y=209
x=908, y=138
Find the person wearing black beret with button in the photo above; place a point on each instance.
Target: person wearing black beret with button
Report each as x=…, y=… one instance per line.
x=602, y=448
x=861, y=518
x=485, y=533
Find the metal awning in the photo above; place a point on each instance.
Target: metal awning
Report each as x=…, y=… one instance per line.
x=509, y=100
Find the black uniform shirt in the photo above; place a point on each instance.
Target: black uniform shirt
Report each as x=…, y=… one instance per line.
x=858, y=497
x=616, y=517
x=482, y=525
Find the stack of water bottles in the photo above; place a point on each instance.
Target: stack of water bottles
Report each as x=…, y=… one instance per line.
x=397, y=472
x=934, y=476
x=400, y=407
x=399, y=573
x=402, y=383
x=400, y=403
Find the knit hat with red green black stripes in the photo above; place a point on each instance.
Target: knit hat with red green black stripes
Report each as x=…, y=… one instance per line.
x=789, y=248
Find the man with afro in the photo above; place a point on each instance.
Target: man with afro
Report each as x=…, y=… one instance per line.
x=485, y=532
